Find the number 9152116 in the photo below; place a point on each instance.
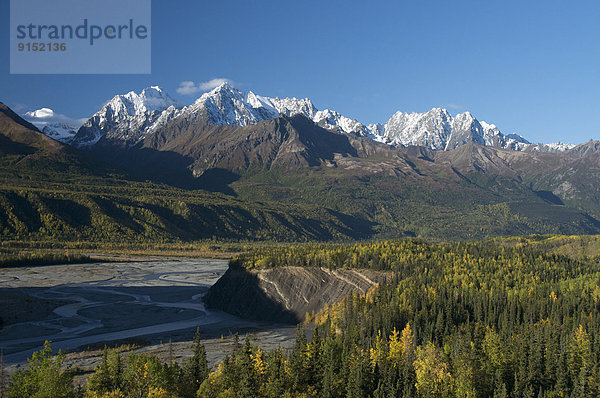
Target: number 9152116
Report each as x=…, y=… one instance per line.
x=41, y=47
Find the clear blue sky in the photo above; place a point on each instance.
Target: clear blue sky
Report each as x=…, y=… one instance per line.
x=527, y=66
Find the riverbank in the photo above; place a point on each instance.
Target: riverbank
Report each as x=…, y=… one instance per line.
x=147, y=303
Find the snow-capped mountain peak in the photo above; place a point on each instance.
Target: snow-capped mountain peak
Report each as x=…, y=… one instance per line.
x=129, y=116
x=226, y=105
x=552, y=147
x=132, y=116
x=150, y=99
x=294, y=106
x=257, y=101
x=154, y=98
x=430, y=129
x=334, y=120
x=465, y=129
x=437, y=129
x=60, y=127
x=490, y=131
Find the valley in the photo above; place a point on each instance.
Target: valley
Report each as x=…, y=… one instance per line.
x=503, y=308
x=299, y=199
x=352, y=232
x=144, y=304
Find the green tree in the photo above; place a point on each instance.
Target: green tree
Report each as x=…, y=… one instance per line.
x=196, y=368
x=44, y=377
x=433, y=376
x=108, y=376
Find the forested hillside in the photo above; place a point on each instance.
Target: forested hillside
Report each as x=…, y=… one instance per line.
x=466, y=320
x=134, y=212
x=54, y=194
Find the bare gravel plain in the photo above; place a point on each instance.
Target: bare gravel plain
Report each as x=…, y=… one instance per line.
x=150, y=305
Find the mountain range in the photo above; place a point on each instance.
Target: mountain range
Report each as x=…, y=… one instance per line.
x=132, y=117
x=242, y=165
x=51, y=192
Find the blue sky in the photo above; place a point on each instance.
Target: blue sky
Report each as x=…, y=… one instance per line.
x=528, y=66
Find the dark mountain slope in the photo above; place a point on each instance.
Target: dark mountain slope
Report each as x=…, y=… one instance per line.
x=470, y=191
x=53, y=192
x=25, y=151
x=24, y=135
x=574, y=178
x=197, y=146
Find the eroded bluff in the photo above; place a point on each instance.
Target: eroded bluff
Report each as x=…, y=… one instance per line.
x=286, y=294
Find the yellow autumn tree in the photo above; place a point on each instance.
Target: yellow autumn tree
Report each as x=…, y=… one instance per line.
x=580, y=351
x=407, y=343
x=395, y=348
x=258, y=362
x=432, y=373
x=379, y=353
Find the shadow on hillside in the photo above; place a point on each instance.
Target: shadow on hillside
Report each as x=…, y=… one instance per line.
x=218, y=180
x=592, y=221
x=10, y=147
x=549, y=197
x=238, y=292
x=166, y=167
x=320, y=143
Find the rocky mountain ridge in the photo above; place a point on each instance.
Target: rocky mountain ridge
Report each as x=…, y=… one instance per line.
x=133, y=117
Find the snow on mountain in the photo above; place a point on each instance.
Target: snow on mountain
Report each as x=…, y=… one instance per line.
x=226, y=105
x=553, y=147
x=437, y=129
x=333, y=120
x=132, y=116
x=515, y=142
x=294, y=106
x=60, y=127
x=377, y=131
x=491, y=134
x=285, y=106
x=431, y=129
x=493, y=137
x=128, y=117
x=465, y=129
